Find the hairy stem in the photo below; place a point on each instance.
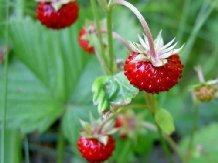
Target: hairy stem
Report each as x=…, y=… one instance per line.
x=194, y=126
x=142, y=21
x=120, y=38
x=101, y=56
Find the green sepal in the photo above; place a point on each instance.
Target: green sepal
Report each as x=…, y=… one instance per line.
x=86, y=126
x=112, y=91
x=103, y=139
x=164, y=120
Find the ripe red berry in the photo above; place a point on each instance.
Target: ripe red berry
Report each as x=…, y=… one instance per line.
x=145, y=76
x=93, y=150
x=63, y=17
x=84, y=43
x=119, y=123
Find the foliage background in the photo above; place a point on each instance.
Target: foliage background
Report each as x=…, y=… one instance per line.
x=50, y=77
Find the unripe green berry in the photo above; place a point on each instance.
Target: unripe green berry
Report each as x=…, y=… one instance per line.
x=205, y=92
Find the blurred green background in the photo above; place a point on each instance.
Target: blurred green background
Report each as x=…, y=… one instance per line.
x=50, y=78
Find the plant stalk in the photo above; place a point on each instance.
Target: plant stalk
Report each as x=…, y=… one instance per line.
x=61, y=145
x=142, y=21
x=101, y=56
x=153, y=107
x=169, y=140
x=164, y=144
x=110, y=40
x=26, y=147
x=194, y=127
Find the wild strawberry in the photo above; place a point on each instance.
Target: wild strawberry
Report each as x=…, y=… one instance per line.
x=96, y=144
x=205, y=92
x=129, y=124
x=95, y=151
x=84, y=43
x=57, y=14
x=88, y=36
x=153, y=74
x=119, y=123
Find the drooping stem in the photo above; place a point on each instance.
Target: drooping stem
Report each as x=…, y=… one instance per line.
x=3, y=136
x=120, y=38
x=194, y=126
x=142, y=21
x=153, y=107
x=101, y=56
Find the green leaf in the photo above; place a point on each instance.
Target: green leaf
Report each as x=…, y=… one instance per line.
x=112, y=91
x=164, y=120
x=30, y=105
x=52, y=72
x=204, y=145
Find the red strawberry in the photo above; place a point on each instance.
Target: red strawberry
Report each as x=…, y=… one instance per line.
x=151, y=79
x=57, y=19
x=153, y=69
x=119, y=123
x=84, y=43
x=95, y=151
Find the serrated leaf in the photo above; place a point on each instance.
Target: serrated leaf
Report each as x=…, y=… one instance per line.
x=112, y=91
x=164, y=120
x=124, y=91
x=49, y=75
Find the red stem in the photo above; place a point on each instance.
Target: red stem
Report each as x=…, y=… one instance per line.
x=142, y=21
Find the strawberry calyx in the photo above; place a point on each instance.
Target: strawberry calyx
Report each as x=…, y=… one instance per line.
x=95, y=130
x=129, y=124
x=91, y=29
x=205, y=91
x=162, y=52
x=56, y=4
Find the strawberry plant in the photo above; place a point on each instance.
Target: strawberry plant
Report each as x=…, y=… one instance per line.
x=131, y=97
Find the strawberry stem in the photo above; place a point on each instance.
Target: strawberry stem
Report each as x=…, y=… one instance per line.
x=120, y=38
x=194, y=126
x=169, y=140
x=200, y=74
x=110, y=40
x=142, y=21
x=153, y=107
x=101, y=56
x=61, y=144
